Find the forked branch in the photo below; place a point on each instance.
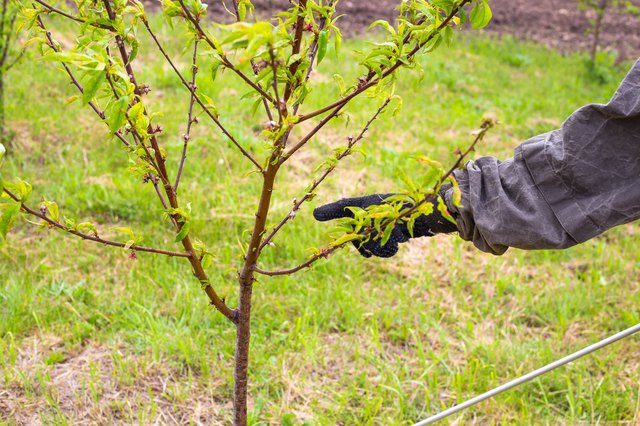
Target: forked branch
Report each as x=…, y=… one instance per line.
x=331, y=168
x=193, y=92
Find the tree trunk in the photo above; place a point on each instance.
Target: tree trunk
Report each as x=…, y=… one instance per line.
x=246, y=278
x=243, y=337
x=597, y=28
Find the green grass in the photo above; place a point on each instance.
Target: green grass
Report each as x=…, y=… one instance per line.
x=87, y=335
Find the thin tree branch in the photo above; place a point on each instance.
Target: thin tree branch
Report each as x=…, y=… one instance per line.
x=190, y=119
x=316, y=183
x=72, y=17
x=7, y=36
x=324, y=253
x=225, y=60
x=369, y=81
x=199, y=101
x=312, y=133
x=297, y=43
x=265, y=103
x=282, y=106
x=479, y=135
x=154, y=181
x=122, y=48
x=94, y=238
x=313, y=51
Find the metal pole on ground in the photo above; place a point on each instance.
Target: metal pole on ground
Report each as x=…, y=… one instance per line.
x=540, y=371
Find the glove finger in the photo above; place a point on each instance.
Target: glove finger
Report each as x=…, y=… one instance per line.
x=398, y=236
x=387, y=250
x=363, y=251
x=333, y=210
x=338, y=209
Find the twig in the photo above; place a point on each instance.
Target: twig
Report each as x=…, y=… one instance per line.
x=198, y=100
x=369, y=81
x=265, y=103
x=316, y=183
x=312, y=133
x=313, y=51
x=297, y=42
x=324, y=253
x=154, y=181
x=484, y=128
x=95, y=238
x=187, y=135
x=281, y=104
x=74, y=18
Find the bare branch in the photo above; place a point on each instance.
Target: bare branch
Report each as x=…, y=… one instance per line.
x=316, y=183
x=94, y=238
x=281, y=104
x=313, y=51
x=297, y=42
x=154, y=181
x=324, y=253
x=265, y=103
x=312, y=133
x=187, y=135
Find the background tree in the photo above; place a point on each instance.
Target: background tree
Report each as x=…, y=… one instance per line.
x=9, y=53
x=601, y=8
x=275, y=60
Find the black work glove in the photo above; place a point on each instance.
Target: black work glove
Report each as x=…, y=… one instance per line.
x=425, y=226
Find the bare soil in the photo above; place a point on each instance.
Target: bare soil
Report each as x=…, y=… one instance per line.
x=555, y=23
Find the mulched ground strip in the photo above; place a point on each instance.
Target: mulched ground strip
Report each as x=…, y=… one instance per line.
x=556, y=23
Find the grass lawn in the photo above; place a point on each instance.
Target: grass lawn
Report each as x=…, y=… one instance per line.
x=89, y=336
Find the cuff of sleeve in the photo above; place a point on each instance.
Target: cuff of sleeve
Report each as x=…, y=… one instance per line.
x=464, y=217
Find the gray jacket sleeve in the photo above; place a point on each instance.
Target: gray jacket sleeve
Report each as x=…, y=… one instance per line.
x=560, y=188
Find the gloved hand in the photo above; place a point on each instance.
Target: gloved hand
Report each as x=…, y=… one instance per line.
x=425, y=226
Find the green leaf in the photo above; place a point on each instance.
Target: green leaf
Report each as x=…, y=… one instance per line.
x=9, y=213
x=184, y=231
x=322, y=45
x=117, y=114
x=52, y=208
x=3, y=150
x=480, y=15
x=92, y=87
x=86, y=227
x=384, y=24
x=386, y=234
x=127, y=231
x=134, y=50
x=345, y=239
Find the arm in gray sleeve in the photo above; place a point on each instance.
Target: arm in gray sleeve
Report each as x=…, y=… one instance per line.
x=560, y=188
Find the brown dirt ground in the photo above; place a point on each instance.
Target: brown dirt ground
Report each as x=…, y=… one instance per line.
x=556, y=23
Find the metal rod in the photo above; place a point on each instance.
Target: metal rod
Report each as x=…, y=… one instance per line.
x=589, y=349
